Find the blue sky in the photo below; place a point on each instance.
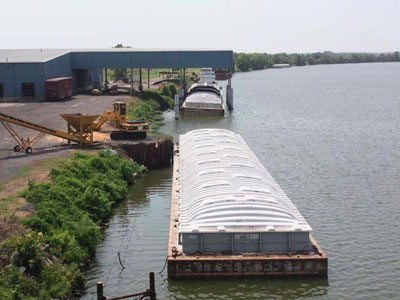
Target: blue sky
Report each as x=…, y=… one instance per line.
x=247, y=26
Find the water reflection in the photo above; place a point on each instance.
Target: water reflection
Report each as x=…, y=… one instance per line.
x=139, y=231
x=251, y=288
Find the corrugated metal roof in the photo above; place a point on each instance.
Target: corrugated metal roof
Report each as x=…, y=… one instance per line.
x=225, y=188
x=43, y=55
x=29, y=55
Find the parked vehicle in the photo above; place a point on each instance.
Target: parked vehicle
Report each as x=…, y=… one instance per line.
x=58, y=88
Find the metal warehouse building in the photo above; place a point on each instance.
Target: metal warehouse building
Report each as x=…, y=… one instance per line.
x=23, y=72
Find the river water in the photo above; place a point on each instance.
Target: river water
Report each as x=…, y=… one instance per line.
x=330, y=136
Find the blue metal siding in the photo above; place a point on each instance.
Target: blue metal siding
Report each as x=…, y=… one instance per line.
x=81, y=60
x=13, y=75
x=156, y=59
x=90, y=60
x=153, y=59
x=27, y=73
x=204, y=59
x=6, y=78
x=113, y=60
x=58, y=67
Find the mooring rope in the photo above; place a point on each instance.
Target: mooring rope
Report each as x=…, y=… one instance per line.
x=127, y=237
x=120, y=262
x=165, y=264
x=109, y=273
x=115, y=260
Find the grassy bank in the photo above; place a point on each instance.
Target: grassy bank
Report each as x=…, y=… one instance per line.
x=45, y=259
x=151, y=104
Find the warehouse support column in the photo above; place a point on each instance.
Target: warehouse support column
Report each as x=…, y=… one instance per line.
x=14, y=85
x=181, y=91
x=140, y=80
x=229, y=92
x=106, y=80
x=131, y=82
x=176, y=106
x=148, y=78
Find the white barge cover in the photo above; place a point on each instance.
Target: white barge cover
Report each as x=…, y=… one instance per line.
x=204, y=95
x=225, y=189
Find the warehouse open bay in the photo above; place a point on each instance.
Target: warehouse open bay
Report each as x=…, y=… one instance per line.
x=329, y=136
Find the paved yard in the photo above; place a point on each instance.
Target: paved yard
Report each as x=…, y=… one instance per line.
x=46, y=114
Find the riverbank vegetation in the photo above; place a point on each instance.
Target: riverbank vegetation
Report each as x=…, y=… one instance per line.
x=258, y=61
x=151, y=104
x=45, y=259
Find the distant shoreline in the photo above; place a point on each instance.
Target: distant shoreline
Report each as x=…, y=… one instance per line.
x=245, y=62
x=371, y=62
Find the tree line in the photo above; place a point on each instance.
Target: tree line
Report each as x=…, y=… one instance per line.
x=258, y=61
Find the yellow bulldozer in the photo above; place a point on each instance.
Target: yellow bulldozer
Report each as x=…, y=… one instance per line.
x=125, y=129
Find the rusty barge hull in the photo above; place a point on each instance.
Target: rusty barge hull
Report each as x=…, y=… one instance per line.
x=204, y=266
x=181, y=265
x=191, y=267
x=202, y=111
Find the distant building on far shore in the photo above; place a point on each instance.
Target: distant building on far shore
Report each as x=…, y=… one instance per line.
x=281, y=66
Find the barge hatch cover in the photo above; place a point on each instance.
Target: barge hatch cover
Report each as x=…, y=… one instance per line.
x=229, y=217
x=225, y=189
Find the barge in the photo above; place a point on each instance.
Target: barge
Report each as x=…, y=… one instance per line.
x=229, y=218
x=204, y=97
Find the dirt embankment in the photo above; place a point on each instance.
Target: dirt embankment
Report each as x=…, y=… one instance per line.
x=13, y=208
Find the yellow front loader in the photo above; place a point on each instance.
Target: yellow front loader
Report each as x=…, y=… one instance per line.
x=125, y=129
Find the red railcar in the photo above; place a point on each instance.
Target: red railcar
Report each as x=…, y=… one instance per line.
x=58, y=88
x=222, y=75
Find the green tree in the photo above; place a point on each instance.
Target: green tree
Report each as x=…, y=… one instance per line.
x=120, y=74
x=299, y=60
x=258, y=61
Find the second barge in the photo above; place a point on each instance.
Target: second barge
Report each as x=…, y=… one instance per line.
x=204, y=97
x=230, y=218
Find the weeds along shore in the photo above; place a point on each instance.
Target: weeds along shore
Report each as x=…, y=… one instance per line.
x=45, y=255
x=150, y=105
x=46, y=259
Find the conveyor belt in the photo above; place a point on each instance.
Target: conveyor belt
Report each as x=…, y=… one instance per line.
x=46, y=130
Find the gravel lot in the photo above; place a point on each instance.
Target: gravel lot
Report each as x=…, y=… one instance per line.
x=45, y=114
